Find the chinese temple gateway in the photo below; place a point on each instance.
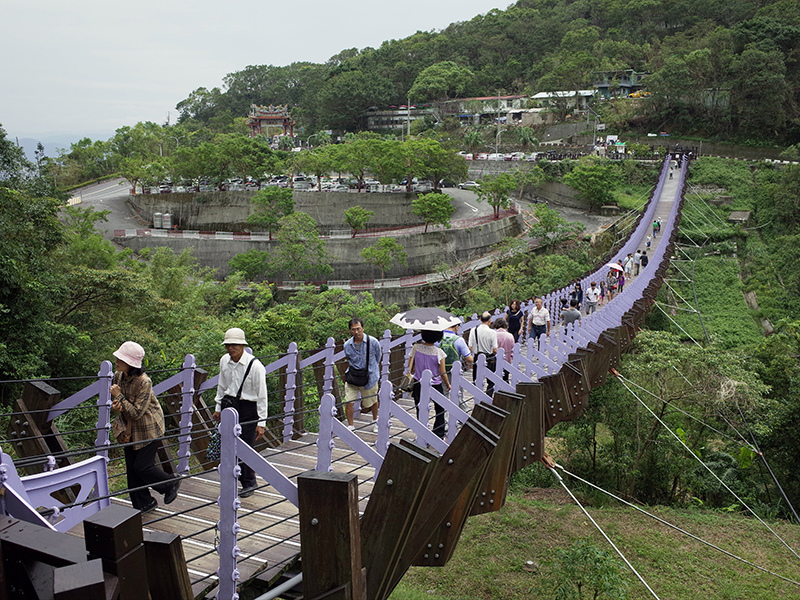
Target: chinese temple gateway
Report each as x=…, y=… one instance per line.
x=264, y=117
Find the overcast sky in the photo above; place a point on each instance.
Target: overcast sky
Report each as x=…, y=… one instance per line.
x=86, y=67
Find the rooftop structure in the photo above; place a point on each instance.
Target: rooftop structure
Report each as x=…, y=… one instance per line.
x=261, y=118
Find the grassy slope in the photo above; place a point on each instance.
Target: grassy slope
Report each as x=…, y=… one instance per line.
x=727, y=318
x=490, y=561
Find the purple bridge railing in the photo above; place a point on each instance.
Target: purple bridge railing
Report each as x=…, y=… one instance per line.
x=527, y=363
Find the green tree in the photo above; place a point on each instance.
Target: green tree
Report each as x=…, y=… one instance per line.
x=473, y=140
x=318, y=162
x=433, y=208
x=384, y=253
x=584, y=571
x=357, y=218
x=270, y=205
x=594, y=180
x=345, y=97
x=251, y=264
x=526, y=136
x=355, y=156
x=441, y=81
x=496, y=190
x=300, y=253
x=551, y=229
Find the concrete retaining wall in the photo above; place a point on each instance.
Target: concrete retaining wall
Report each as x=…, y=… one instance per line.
x=425, y=250
x=228, y=211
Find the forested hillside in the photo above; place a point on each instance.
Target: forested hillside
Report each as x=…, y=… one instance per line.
x=715, y=69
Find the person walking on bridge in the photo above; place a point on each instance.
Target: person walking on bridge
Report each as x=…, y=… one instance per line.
x=363, y=353
x=138, y=408
x=242, y=386
x=539, y=320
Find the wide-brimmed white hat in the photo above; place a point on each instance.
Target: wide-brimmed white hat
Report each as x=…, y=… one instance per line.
x=131, y=354
x=234, y=335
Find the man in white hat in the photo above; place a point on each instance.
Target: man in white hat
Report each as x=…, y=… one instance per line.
x=243, y=385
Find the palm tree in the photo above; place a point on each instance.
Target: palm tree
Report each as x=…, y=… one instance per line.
x=526, y=136
x=473, y=139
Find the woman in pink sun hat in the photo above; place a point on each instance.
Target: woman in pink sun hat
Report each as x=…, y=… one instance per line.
x=140, y=413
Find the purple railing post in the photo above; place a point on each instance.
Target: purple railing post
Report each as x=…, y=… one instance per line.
x=187, y=408
x=327, y=412
x=386, y=352
x=103, y=441
x=229, y=504
x=288, y=399
x=330, y=349
x=384, y=417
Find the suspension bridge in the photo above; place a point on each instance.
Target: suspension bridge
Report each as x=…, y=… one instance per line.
x=361, y=505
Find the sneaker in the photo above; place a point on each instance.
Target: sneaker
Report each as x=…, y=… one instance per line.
x=351, y=427
x=152, y=505
x=170, y=496
x=248, y=490
x=374, y=427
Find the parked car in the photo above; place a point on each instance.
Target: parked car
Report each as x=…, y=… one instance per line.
x=466, y=155
x=482, y=156
x=494, y=156
x=422, y=187
x=469, y=185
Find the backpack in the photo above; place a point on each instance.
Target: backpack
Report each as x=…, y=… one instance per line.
x=448, y=344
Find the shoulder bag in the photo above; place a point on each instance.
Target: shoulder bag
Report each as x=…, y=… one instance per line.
x=228, y=401
x=358, y=377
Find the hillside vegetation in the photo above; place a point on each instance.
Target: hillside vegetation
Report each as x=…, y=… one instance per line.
x=716, y=69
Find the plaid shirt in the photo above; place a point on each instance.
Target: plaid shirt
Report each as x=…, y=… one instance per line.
x=144, y=411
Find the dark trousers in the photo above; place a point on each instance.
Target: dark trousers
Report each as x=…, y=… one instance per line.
x=248, y=419
x=491, y=364
x=142, y=470
x=536, y=331
x=438, y=422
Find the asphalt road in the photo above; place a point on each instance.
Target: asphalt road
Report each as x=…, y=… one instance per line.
x=111, y=196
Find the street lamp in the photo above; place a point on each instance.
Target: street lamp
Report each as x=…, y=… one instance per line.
x=497, y=140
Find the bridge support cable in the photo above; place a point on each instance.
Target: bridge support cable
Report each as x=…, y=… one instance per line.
x=658, y=304
x=741, y=439
x=603, y=533
x=624, y=381
x=678, y=529
x=766, y=464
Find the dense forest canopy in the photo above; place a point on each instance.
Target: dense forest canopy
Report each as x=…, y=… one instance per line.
x=717, y=69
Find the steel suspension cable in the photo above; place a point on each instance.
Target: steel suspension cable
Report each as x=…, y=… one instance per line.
x=705, y=466
x=766, y=464
x=701, y=422
x=603, y=533
x=676, y=528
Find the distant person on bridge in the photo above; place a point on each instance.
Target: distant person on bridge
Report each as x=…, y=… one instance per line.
x=427, y=357
x=505, y=341
x=242, y=385
x=572, y=314
x=483, y=340
x=577, y=294
x=132, y=397
x=539, y=320
x=514, y=319
x=363, y=353
x=591, y=295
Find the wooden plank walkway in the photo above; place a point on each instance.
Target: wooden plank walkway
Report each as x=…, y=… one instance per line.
x=269, y=538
